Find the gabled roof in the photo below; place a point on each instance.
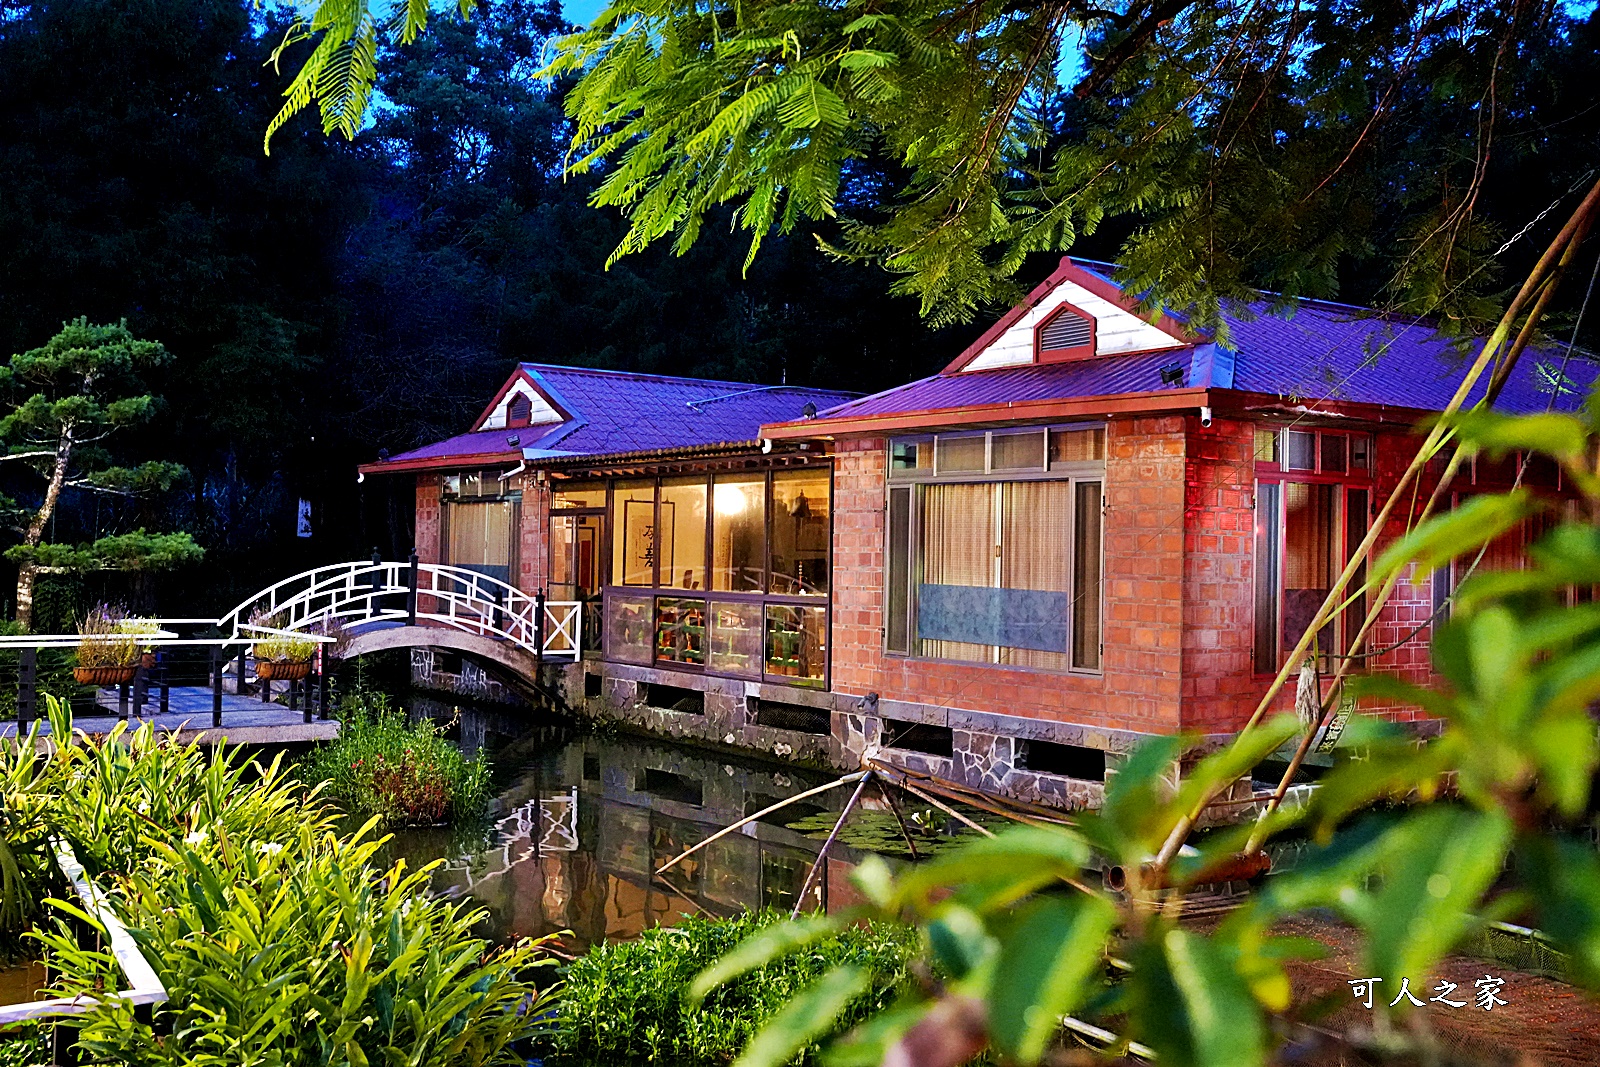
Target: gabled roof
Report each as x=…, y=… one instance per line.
x=1319, y=354
x=597, y=412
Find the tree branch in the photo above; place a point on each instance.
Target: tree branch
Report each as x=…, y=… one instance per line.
x=1164, y=12
x=28, y=455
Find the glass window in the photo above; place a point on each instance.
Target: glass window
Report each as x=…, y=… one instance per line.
x=1334, y=452
x=1310, y=557
x=681, y=630
x=897, y=627
x=579, y=496
x=1077, y=446
x=629, y=627
x=961, y=453
x=1005, y=572
x=1360, y=452
x=739, y=528
x=1017, y=451
x=911, y=455
x=480, y=537
x=1086, y=578
x=1266, y=446
x=797, y=643
x=1300, y=449
x=735, y=643
x=633, y=547
x=1268, y=512
x=798, y=553
x=682, y=543
x=563, y=535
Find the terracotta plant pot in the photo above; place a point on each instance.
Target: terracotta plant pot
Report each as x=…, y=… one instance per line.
x=103, y=676
x=282, y=672
x=148, y=661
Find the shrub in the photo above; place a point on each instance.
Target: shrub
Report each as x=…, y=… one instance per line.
x=407, y=775
x=278, y=938
x=624, y=1003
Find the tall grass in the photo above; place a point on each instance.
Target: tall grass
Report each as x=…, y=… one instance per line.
x=405, y=774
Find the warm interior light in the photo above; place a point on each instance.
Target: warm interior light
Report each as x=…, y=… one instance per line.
x=730, y=499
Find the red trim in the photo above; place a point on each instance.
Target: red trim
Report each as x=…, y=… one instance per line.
x=522, y=373
x=983, y=414
x=1064, y=355
x=433, y=463
x=1069, y=271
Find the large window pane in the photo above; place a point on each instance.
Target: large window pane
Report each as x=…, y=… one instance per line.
x=961, y=453
x=480, y=537
x=579, y=496
x=1268, y=509
x=681, y=630
x=1310, y=557
x=563, y=535
x=1077, y=446
x=629, y=628
x=1035, y=521
x=736, y=638
x=898, y=623
x=800, y=530
x=958, y=540
x=633, y=525
x=682, y=543
x=1018, y=451
x=797, y=643
x=1086, y=575
x=1355, y=528
x=739, y=530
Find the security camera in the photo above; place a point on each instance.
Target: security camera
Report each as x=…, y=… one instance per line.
x=1205, y=416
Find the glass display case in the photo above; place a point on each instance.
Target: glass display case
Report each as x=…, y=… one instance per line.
x=681, y=630
x=629, y=626
x=797, y=643
x=736, y=638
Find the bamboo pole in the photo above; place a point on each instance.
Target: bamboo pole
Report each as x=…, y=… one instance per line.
x=1430, y=446
x=894, y=806
x=947, y=809
x=726, y=830
x=822, y=854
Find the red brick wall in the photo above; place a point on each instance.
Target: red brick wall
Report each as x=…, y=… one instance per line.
x=1218, y=574
x=533, y=548
x=1139, y=689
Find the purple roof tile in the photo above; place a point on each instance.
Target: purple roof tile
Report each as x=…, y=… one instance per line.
x=620, y=411
x=1322, y=352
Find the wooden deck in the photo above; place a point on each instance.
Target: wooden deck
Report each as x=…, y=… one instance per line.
x=246, y=720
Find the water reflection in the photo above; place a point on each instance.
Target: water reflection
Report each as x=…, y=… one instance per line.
x=583, y=821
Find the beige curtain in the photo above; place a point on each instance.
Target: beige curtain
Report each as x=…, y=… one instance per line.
x=958, y=548
x=1035, y=525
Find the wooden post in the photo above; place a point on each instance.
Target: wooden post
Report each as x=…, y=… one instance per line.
x=141, y=690
x=323, y=694
x=538, y=627
x=161, y=669
x=306, y=710
x=411, y=595
x=122, y=701
x=27, y=662
x=217, y=663
x=266, y=685
x=293, y=694
x=238, y=681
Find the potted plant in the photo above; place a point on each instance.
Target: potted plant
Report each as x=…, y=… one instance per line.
x=281, y=657
x=107, y=654
x=145, y=630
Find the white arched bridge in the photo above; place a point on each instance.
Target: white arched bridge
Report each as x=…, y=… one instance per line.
x=348, y=609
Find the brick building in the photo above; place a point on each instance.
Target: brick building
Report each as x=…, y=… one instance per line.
x=1092, y=527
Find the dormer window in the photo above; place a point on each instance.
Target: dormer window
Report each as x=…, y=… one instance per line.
x=519, y=411
x=1068, y=334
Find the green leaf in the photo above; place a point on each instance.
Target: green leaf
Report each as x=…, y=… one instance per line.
x=1438, y=864
x=805, y=1018
x=1021, y=859
x=959, y=940
x=1235, y=759
x=1046, y=961
x=760, y=949
x=1192, y=1007
x=1565, y=878
x=1561, y=436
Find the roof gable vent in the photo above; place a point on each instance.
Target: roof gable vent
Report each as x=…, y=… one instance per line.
x=1066, y=335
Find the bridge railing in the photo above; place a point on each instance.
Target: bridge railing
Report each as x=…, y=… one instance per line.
x=384, y=592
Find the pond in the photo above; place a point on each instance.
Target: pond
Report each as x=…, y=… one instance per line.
x=582, y=821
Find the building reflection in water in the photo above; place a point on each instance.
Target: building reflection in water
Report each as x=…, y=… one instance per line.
x=582, y=822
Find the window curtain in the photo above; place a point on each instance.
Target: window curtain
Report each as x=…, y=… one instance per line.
x=958, y=541
x=1035, y=521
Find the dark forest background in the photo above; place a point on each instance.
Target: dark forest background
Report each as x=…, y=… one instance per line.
x=335, y=299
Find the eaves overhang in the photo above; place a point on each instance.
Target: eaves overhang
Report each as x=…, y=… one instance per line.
x=434, y=463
